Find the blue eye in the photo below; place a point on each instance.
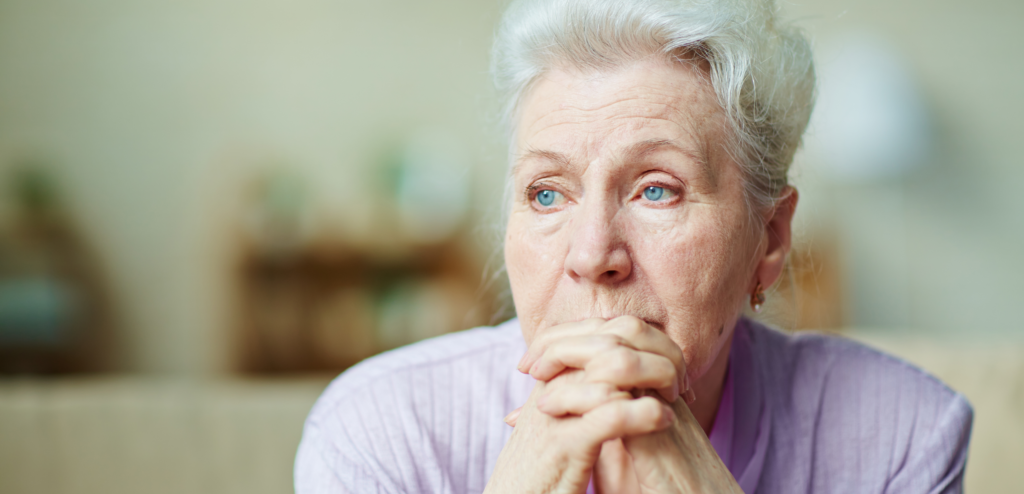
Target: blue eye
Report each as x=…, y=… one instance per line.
x=547, y=197
x=653, y=193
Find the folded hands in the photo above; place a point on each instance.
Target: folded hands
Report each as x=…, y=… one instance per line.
x=607, y=407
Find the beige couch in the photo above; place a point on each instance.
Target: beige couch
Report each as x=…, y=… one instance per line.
x=154, y=436
x=151, y=435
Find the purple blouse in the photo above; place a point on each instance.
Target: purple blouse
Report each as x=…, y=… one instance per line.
x=799, y=413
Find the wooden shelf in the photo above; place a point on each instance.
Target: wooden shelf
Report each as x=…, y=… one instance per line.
x=328, y=307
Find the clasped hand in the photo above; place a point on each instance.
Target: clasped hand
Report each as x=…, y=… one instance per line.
x=606, y=406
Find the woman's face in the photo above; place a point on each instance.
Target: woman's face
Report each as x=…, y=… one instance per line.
x=626, y=202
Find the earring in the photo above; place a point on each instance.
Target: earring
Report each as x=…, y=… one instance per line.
x=757, y=298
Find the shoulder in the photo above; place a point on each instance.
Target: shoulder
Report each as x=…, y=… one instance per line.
x=472, y=351
x=422, y=418
x=857, y=414
x=809, y=359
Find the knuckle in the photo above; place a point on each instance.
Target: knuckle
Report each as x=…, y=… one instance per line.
x=540, y=342
x=609, y=341
x=667, y=370
x=568, y=377
x=672, y=351
x=605, y=390
x=616, y=417
x=623, y=361
x=630, y=326
x=551, y=351
x=631, y=320
x=649, y=409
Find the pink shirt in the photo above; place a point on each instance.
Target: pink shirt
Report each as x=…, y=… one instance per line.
x=799, y=413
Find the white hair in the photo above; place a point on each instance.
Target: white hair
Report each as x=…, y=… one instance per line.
x=761, y=71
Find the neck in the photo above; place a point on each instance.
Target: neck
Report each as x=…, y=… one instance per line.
x=709, y=389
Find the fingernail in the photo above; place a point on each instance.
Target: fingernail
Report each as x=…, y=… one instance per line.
x=510, y=419
x=689, y=396
x=522, y=362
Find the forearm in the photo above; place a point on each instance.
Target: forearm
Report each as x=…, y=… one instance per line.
x=680, y=460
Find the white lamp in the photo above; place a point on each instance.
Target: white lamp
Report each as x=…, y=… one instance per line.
x=870, y=121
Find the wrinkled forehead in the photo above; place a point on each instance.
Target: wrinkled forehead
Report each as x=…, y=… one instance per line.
x=585, y=115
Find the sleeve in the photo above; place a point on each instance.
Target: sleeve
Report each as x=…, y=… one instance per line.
x=317, y=469
x=937, y=465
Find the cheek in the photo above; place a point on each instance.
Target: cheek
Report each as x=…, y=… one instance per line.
x=533, y=267
x=694, y=265
x=525, y=254
x=698, y=270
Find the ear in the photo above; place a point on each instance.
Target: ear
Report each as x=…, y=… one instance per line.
x=778, y=238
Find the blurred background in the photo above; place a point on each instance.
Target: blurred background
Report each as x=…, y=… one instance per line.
x=210, y=208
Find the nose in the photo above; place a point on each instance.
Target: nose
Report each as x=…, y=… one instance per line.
x=598, y=252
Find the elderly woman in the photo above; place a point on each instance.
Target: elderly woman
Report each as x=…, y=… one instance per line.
x=648, y=206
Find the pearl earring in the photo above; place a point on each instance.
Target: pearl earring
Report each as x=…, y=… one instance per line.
x=757, y=298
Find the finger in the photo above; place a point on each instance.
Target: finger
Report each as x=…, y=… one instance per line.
x=629, y=369
x=623, y=418
x=631, y=331
x=647, y=338
x=572, y=352
x=579, y=398
x=689, y=397
x=513, y=416
x=554, y=333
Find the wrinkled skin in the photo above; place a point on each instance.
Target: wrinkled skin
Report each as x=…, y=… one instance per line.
x=630, y=252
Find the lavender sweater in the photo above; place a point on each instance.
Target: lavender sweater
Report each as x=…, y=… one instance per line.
x=799, y=413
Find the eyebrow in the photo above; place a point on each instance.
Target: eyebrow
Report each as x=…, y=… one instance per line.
x=634, y=152
x=533, y=154
x=639, y=150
